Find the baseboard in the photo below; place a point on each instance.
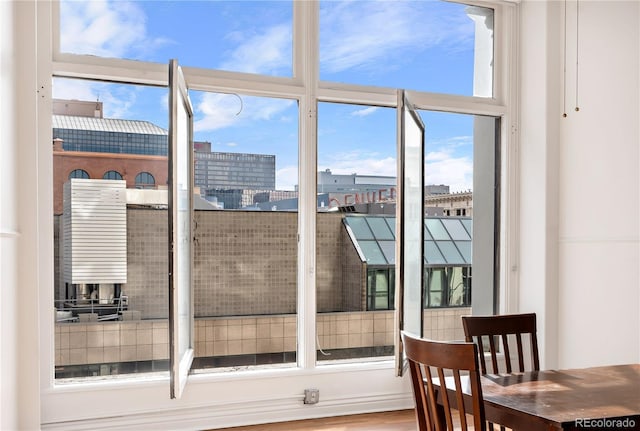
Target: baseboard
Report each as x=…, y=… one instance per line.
x=215, y=416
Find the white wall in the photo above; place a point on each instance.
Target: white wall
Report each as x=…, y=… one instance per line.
x=580, y=187
x=8, y=225
x=19, y=363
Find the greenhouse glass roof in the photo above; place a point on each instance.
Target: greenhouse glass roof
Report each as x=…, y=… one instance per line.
x=447, y=240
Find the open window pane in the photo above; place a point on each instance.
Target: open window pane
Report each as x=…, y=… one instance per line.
x=354, y=240
x=180, y=240
x=411, y=143
x=436, y=46
x=247, y=36
x=110, y=229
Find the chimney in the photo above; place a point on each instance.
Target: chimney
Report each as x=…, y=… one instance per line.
x=57, y=144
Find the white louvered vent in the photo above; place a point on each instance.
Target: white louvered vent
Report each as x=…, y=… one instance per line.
x=95, y=231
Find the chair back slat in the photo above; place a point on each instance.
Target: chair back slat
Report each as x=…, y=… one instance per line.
x=480, y=344
x=507, y=355
x=462, y=411
x=445, y=400
x=520, y=352
x=422, y=404
x=508, y=327
x=534, y=352
x=431, y=362
x=494, y=354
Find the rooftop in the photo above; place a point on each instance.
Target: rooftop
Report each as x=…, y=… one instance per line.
x=447, y=239
x=106, y=125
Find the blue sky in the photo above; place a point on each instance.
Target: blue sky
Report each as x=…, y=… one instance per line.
x=421, y=45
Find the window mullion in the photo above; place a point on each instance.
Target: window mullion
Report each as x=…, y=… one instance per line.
x=306, y=27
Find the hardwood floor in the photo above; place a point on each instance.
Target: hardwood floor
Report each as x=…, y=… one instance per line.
x=401, y=420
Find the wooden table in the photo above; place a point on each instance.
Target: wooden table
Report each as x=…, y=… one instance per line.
x=598, y=398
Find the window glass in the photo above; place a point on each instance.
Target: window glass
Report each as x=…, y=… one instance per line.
x=389, y=250
x=455, y=229
x=372, y=253
x=112, y=175
x=356, y=178
x=464, y=247
x=145, y=180
x=382, y=290
x=461, y=189
x=246, y=231
x=110, y=288
x=457, y=287
x=79, y=173
x=435, y=46
x=450, y=252
x=380, y=228
x=247, y=36
x=360, y=227
x=437, y=230
x=432, y=253
x=436, y=282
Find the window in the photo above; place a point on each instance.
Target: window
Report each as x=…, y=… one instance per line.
x=356, y=183
x=436, y=46
x=448, y=287
x=145, y=180
x=246, y=264
x=112, y=175
x=79, y=173
x=380, y=289
x=280, y=287
x=256, y=37
x=105, y=279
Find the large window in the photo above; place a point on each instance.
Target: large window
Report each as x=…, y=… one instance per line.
x=296, y=162
x=246, y=172
x=437, y=46
x=110, y=289
x=356, y=176
x=250, y=36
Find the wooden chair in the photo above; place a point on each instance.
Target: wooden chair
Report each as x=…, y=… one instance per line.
x=425, y=356
x=508, y=326
x=476, y=328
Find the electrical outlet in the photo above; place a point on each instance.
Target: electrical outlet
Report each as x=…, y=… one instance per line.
x=311, y=396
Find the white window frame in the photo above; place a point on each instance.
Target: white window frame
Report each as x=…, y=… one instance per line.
x=263, y=395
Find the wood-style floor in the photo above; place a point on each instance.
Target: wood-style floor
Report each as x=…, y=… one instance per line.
x=401, y=420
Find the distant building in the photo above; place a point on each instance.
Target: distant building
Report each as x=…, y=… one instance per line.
x=335, y=183
x=215, y=170
x=87, y=145
x=451, y=204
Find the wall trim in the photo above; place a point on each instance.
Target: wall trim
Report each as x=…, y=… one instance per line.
x=222, y=415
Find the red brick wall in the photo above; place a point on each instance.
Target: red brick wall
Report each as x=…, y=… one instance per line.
x=96, y=164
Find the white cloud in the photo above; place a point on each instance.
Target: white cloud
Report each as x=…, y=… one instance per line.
x=353, y=39
x=287, y=178
x=218, y=145
x=365, y=111
x=264, y=53
x=105, y=28
x=360, y=162
x=217, y=111
x=118, y=100
x=442, y=168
